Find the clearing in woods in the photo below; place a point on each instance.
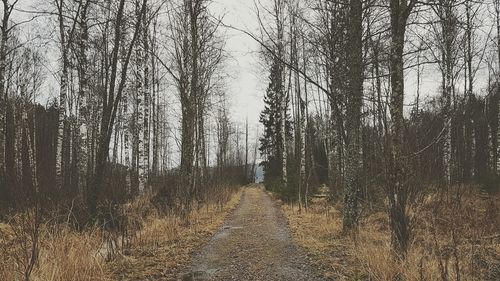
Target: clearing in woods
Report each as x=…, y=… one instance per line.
x=254, y=244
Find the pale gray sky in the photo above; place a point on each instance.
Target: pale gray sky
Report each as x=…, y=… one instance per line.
x=246, y=89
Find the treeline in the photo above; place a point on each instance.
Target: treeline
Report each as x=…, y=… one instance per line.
x=473, y=146
x=127, y=74
x=351, y=104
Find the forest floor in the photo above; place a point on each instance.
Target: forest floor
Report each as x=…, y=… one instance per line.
x=255, y=243
x=450, y=241
x=166, y=245
x=160, y=245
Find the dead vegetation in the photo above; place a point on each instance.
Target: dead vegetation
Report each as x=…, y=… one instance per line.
x=62, y=254
x=454, y=238
x=147, y=243
x=164, y=247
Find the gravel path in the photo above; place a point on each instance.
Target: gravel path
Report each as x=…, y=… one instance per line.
x=254, y=244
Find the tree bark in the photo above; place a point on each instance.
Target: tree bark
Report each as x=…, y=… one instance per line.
x=83, y=119
x=63, y=92
x=7, y=9
x=497, y=11
x=397, y=192
x=353, y=120
x=142, y=58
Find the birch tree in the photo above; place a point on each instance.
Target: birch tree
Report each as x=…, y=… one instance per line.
x=142, y=98
x=84, y=96
x=111, y=99
x=447, y=44
x=66, y=39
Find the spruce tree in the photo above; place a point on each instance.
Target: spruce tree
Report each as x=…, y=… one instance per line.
x=271, y=143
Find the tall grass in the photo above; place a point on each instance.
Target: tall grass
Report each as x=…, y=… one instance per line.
x=143, y=241
x=452, y=240
x=63, y=254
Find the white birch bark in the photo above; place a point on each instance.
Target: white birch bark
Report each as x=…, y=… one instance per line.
x=448, y=25
x=140, y=130
x=447, y=133
x=490, y=149
x=147, y=101
x=126, y=142
x=303, y=126
x=142, y=94
x=61, y=118
x=284, y=152
x=84, y=173
x=63, y=93
x=31, y=149
x=279, y=10
x=155, y=103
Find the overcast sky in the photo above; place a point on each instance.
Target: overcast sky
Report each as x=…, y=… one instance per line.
x=247, y=88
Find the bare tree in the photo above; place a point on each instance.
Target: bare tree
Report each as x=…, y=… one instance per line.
x=447, y=37
x=400, y=10
x=66, y=39
x=111, y=100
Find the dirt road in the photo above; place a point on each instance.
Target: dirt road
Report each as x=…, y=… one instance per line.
x=254, y=244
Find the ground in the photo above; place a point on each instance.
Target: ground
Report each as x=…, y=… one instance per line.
x=254, y=244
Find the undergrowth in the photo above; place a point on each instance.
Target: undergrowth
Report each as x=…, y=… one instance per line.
x=145, y=241
x=453, y=239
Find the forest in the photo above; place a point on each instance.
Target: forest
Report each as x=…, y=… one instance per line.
x=393, y=106
x=379, y=139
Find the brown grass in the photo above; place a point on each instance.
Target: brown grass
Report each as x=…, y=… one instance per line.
x=63, y=255
x=154, y=245
x=164, y=246
x=318, y=231
x=449, y=238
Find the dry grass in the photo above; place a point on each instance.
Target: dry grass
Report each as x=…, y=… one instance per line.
x=63, y=255
x=164, y=246
x=69, y=255
x=449, y=238
x=318, y=231
x=154, y=245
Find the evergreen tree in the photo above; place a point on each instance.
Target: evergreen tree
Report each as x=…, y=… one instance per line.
x=272, y=143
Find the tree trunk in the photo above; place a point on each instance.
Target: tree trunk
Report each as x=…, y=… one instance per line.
x=497, y=11
x=246, y=177
x=83, y=171
x=3, y=94
x=63, y=91
x=353, y=120
x=155, y=104
x=397, y=191
x=143, y=104
x=447, y=23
